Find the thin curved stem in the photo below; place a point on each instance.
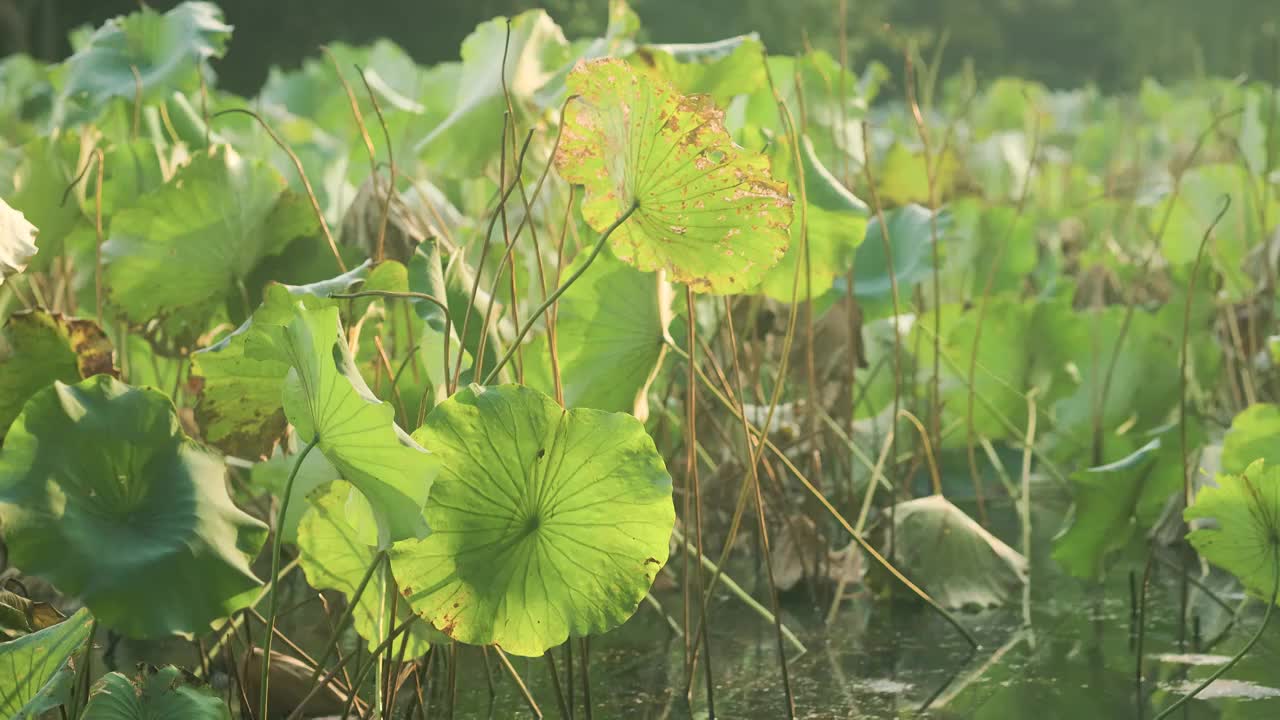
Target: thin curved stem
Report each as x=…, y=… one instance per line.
x=302, y=173
x=533, y=317
x=276, y=545
x=1266, y=619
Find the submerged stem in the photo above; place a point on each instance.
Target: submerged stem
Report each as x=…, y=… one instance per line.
x=1266, y=619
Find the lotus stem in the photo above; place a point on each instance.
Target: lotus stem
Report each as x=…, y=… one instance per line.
x=533, y=317
x=276, y=546
x=1266, y=619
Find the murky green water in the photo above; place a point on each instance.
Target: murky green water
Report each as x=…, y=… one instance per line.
x=1076, y=660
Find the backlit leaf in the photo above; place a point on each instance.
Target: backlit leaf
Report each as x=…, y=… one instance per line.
x=707, y=211
x=546, y=523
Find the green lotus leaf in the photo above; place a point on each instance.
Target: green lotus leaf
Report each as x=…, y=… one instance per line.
x=467, y=98
x=707, y=211
x=336, y=549
x=187, y=249
x=47, y=167
x=1246, y=508
x=1000, y=376
x=166, y=693
x=168, y=52
x=24, y=81
x=272, y=476
x=721, y=69
x=610, y=330
x=1252, y=437
x=978, y=234
x=904, y=176
x=1144, y=383
x=911, y=250
x=1192, y=212
x=1116, y=501
x=959, y=563
x=546, y=523
x=834, y=101
x=837, y=225
x=34, y=672
x=326, y=399
x=242, y=376
x=37, y=348
x=103, y=495
x=17, y=241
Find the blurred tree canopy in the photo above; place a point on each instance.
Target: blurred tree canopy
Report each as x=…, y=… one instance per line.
x=1062, y=43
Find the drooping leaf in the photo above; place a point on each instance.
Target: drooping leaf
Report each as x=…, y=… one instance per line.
x=17, y=241
x=167, y=51
x=34, y=672
x=1254, y=435
x=167, y=693
x=185, y=250
x=242, y=376
x=707, y=211
x=103, y=495
x=956, y=560
x=1115, y=502
x=910, y=240
x=20, y=615
x=610, y=329
x=1246, y=538
x=37, y=348
x=326, y=399
x=336, y=550
x=546, y=523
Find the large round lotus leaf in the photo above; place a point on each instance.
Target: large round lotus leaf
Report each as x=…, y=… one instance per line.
x=546, y=523
x=165, y=50
x=1246, y=538
x=325, y=398
x=336, y=549
x=708, y=212
x=34, y=673
x=189, y=246
x=103, y=495
x=17, y=241
x=610, y=330
x=163, y=694
x=954, y=558
x=37, y=348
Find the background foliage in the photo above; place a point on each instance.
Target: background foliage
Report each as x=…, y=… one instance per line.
x=1062, y=43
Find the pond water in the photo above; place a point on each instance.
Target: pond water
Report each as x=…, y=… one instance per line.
x=1076, y=659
